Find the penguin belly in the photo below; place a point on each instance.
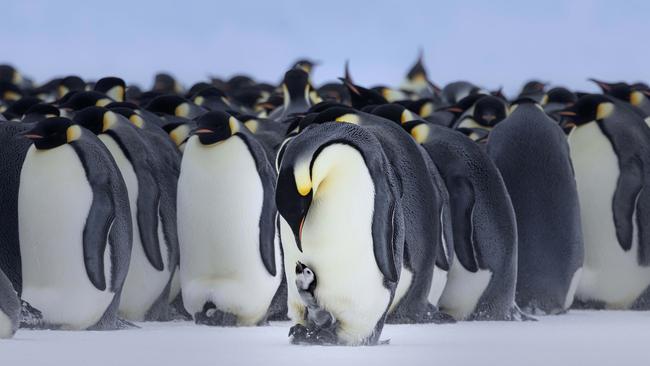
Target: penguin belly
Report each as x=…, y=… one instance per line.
x=438, y=283
x=220, y=197
x=463, y=290
x=609, y=274
x=405, y=280
x=143, y=283
x=54, y=200
x=337, y=244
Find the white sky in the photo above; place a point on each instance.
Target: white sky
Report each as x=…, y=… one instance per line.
x=492, y=43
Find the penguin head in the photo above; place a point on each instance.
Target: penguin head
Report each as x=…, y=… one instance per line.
x=305, y=278
x=174, y=105
x=69, y=84
x=96, y=119
x=559, y=95
x=9, y=91
x=113, y=87
x=216, y=126
x=394, y=112
x=362, y=97
x=638, y=95
x=9, y=74
x=333, y=114
x=305, y=65
x=589, y=108
x=533, y=87
x=43, y=109
x=77, y=101
x=165, y=83
x=179, y=132
x=489, y=110
x=295, y=84
x=53, y=132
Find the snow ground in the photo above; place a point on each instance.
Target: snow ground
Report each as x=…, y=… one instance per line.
x=578, y=338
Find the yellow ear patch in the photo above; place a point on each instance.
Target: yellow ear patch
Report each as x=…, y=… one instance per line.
x=419, y=78
x=604, y=110
x=426, y=110
x=303, y=179
x=234, y=125
x=179, y=134
x=183, y=110
x=73, y=133
x=349, y=118
x=136, y=120
x=62, y=90
x=199, y=100
x=420, y=133
x=252, y=125
x=116, y=93
x=636, y=97
x=407, y=116
x=110, y=119
x=103, y=102
x=9, y=95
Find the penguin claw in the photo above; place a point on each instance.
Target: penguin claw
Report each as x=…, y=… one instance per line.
x=30, y=317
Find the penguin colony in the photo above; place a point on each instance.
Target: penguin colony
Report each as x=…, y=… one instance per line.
x=340, y=207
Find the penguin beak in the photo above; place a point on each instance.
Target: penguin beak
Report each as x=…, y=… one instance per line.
x=489, y=117
x=203, y=131
x=567, y=113
x=32, y=135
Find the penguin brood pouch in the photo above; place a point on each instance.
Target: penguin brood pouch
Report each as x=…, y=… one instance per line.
x=341, y=216
x=482, y=277
x=75, y=227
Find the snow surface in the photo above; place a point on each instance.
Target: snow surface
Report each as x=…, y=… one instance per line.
x=578, y=338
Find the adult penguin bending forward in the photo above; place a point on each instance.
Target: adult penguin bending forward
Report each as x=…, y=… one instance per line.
x=342, y=218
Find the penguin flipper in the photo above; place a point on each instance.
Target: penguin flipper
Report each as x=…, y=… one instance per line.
x=95, y=237
x=269, y=210
x=148, y=202
x=461, y=197
x=628, y=187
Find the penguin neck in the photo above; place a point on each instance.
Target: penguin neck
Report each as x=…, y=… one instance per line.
x=295, y=96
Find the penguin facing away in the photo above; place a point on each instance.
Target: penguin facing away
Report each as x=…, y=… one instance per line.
x=295, y=88
x=341, y=216
x=150, y=268
x=609, y=151
x=482, y=278
x=74, y=227
x=532, y=154
x=230, y=256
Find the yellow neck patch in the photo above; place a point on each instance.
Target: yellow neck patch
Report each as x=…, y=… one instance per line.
x=420, y=133
x=136, y=120
x=73, y=133
x=110, y=119
x=349, y=118
x=183, y=110
x=604, y=110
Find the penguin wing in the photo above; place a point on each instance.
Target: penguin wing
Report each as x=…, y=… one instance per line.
x=387, y=221
x=628, y=187
x=269, y=210
x=106, y=182
x=461, y=197
x=148, y=199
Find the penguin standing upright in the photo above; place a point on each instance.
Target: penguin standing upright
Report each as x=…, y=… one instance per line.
x=9, y=308
x=532, y=154
x=342, y=217
x=230, y=255
x=74, y=227
x=150, y=268
x=609, y=150
x=481, y=281
x=295, y=88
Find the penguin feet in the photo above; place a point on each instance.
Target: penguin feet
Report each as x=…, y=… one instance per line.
x=313, y=336
x=588, y=305
x=177, y=310
x=430, y=314
x=517, y=315
x=215, y=317
x=30, y=317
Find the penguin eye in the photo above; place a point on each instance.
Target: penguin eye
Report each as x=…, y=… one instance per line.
x=308, y=272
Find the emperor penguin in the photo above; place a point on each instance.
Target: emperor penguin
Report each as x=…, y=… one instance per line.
x=423, y=219
x=230, y=255
x=74, y=227
x=175, y=105
x=9, y=308
x=532, y=154
x=150, y=268
x=482, y=277
x=418, y=82
x=609, y=151
x=341, y=216
x=483, y=114
x=295, y=90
